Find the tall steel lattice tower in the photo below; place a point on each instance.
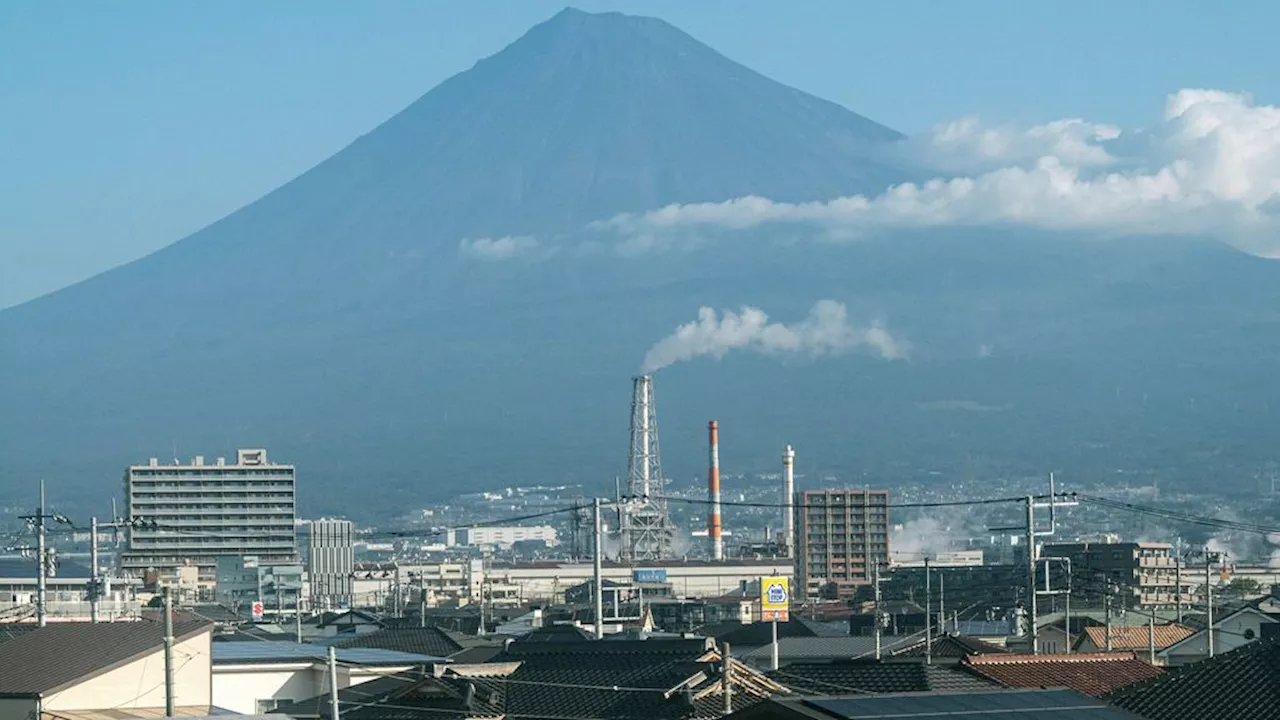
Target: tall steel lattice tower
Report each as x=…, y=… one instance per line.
x=646, y=531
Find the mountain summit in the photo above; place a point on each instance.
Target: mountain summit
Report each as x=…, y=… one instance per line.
x=336, y=321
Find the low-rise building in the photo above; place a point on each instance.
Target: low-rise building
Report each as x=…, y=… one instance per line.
x=68, y=668
x=1145, y=573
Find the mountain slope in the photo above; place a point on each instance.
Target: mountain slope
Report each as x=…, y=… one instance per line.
x=336, y=323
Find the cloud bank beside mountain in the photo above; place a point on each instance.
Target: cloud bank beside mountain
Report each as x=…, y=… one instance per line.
x=826, y=331
x=1210, y=167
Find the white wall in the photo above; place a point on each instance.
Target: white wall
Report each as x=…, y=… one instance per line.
x=17, y=709
x=240, y=687
x=1227, y=636
x=140, y=684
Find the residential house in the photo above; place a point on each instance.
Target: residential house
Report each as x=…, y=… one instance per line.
x=67, y=668
x=256, y=677
x=545, y=675
x=908, y=674
x=1094, y=675
x=1257, y=620
x=1140, y=639
x=1240, y=685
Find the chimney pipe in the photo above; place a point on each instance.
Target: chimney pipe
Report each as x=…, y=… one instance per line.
x=713, y=492
x=788, y=495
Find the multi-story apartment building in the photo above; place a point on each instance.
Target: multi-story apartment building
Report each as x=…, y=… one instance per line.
x=840, y=535
x=193, y=514
x=500, y=535
x=330, y=563
x=1142, y=574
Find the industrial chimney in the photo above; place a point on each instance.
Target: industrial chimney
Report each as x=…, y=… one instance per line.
x=788, y=497
x=713, y=492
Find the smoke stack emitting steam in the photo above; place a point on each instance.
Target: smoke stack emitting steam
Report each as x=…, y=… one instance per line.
x=788, y=492
x=713, y=492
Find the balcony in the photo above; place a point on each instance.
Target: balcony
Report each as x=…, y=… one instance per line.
x=1156, y=562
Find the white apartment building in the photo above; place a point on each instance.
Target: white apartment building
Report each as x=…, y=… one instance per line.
x=191, y=514
x=500, y=536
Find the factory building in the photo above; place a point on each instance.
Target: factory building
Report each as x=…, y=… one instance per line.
x=192, y=514
x=500, y=536
x=330, y=563
x=840, y=535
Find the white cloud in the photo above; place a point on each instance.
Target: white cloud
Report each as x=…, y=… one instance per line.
x=503, y=248
x=966, y=145
x=1211, y=167
x=826, y=331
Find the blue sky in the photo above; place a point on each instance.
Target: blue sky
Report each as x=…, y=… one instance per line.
x=129, y=125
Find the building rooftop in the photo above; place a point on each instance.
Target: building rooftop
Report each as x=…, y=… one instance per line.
x=1093, y=674
x=267, y=651
x=873, y=676
x=414, y=640
x=1241, y=685
x=60, y=654
x=999, y=705
x=1137, y=637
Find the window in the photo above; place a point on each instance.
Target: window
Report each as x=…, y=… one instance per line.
x=269, y=704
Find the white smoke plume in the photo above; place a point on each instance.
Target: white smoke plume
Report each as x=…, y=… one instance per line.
x=503, y=248
x=1210, y=167
x=826, y=331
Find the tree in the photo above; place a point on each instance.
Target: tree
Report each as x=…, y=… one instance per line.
x=1243, y=587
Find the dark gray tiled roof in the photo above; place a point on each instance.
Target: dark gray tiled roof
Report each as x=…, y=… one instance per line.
x=871, y=676
x=418, y=640
x=61, y=653
x=998, y=705
x=1243, y=684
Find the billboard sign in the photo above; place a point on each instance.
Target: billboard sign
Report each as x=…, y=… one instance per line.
x=657, y=575
x=257, y=610
x=775, y=599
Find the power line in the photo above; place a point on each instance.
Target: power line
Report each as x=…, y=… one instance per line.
x=892, y=506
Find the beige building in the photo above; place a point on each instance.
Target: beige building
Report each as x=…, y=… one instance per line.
x=71, y=670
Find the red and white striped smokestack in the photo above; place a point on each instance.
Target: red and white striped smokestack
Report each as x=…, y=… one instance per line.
x=713, y=492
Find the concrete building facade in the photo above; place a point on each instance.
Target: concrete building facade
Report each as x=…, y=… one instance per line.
x=330, y=563
x=1142, y=574
x=192, y=514
x=840, y=535
x=500, y=536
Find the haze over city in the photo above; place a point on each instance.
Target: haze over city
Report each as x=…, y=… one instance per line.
x=331, y=320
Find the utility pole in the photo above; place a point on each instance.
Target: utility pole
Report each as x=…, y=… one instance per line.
x=422, y=600
x=1033, y=629
x=168, y=653
x=877, y=624
x=1177, y=575
x=333, y=683
x=726, y=680
x=1107, y=604
x=598, y=590
x=42, y=561
x=95, y=580
x=1208, y=597
x=1151, y=638
x=942, y=599
x=928, y=617
x=297, y=618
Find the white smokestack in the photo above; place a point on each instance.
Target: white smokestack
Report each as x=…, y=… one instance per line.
x=788, y=495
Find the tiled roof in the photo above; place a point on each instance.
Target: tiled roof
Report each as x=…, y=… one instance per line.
x=829, y=648
x=232, y=653
x=872, y=676
x=11, y=631
x=61, y=653
x=418, y=640
x=408, y=697
x=556, y=634
x=753, y=635
x=1135, y=637
x=649, y=679
x=1094, y=674
x=1243, y=684
x=996, y=705
x=953, y=646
